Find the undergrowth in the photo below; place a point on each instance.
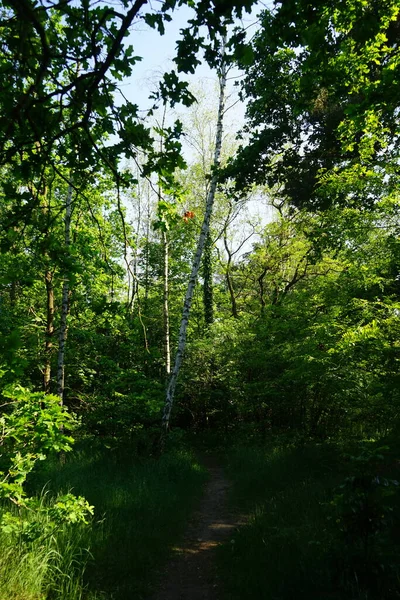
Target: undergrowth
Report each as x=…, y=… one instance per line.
x=43, y=562
x=321, y=524
x=141, y=505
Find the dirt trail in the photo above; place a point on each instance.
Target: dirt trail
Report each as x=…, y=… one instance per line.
x=190, y=574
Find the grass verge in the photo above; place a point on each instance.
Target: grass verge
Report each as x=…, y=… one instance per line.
x=309, y=535
x=141, y=507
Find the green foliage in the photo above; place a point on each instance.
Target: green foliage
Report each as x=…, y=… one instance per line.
x=323, y=104
x=59, y=105
x=212, y=398
x=315, y=345
x=299, y=334
x=123, y=416
x=40, y=539
x=32, y=430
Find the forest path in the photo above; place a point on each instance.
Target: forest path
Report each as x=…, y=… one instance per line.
x=191, y=572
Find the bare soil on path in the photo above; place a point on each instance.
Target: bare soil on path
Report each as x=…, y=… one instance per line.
x=191, y=572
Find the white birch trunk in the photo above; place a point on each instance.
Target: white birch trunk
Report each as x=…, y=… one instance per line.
x=169, y=400
x=165, y=246
x=167, y=349
x=135, y=285
x=62, y=340
x=49, y=330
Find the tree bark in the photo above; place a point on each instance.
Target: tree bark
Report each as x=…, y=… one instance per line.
x=167, y=349
x=49, y=330
x=169, y=399
x=62, y=340
x=147, y=254
x=208, y=295
x=133, y=276
x=232, y=295
x=165, y=247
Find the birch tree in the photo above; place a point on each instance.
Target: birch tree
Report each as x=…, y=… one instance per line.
x=170, y=394
x=46, y=211
x=165, y=247
x=62, y=340
x=49, y=330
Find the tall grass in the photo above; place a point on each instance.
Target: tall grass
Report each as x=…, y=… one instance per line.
x=324, y=522
x=141, y=506
x=51, y=565
x=280, y=554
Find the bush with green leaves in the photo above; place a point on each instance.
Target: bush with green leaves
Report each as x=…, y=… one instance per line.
x=33, y=426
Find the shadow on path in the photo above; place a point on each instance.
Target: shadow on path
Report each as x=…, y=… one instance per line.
x=191, y=574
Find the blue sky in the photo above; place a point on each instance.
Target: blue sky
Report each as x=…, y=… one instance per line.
x=157, y=52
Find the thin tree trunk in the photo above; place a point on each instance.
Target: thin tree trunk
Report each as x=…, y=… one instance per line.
x=169, y=400
x=228, y=277
x=208, y=296
x=232, y=295
x=261, y=284
x=49, y=330
x=147, y=254
x=134, y=262
x=62, y=340
x=167, y=349
x=165, y=247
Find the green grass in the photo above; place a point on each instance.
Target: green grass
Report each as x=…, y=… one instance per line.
x=293, y=545
x=50, y=565
x=277, y=554
x=141, y=507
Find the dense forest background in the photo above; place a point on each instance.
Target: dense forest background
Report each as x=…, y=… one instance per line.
x=170, y=280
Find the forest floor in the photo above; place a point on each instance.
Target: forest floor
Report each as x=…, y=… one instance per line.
x=191, y=572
